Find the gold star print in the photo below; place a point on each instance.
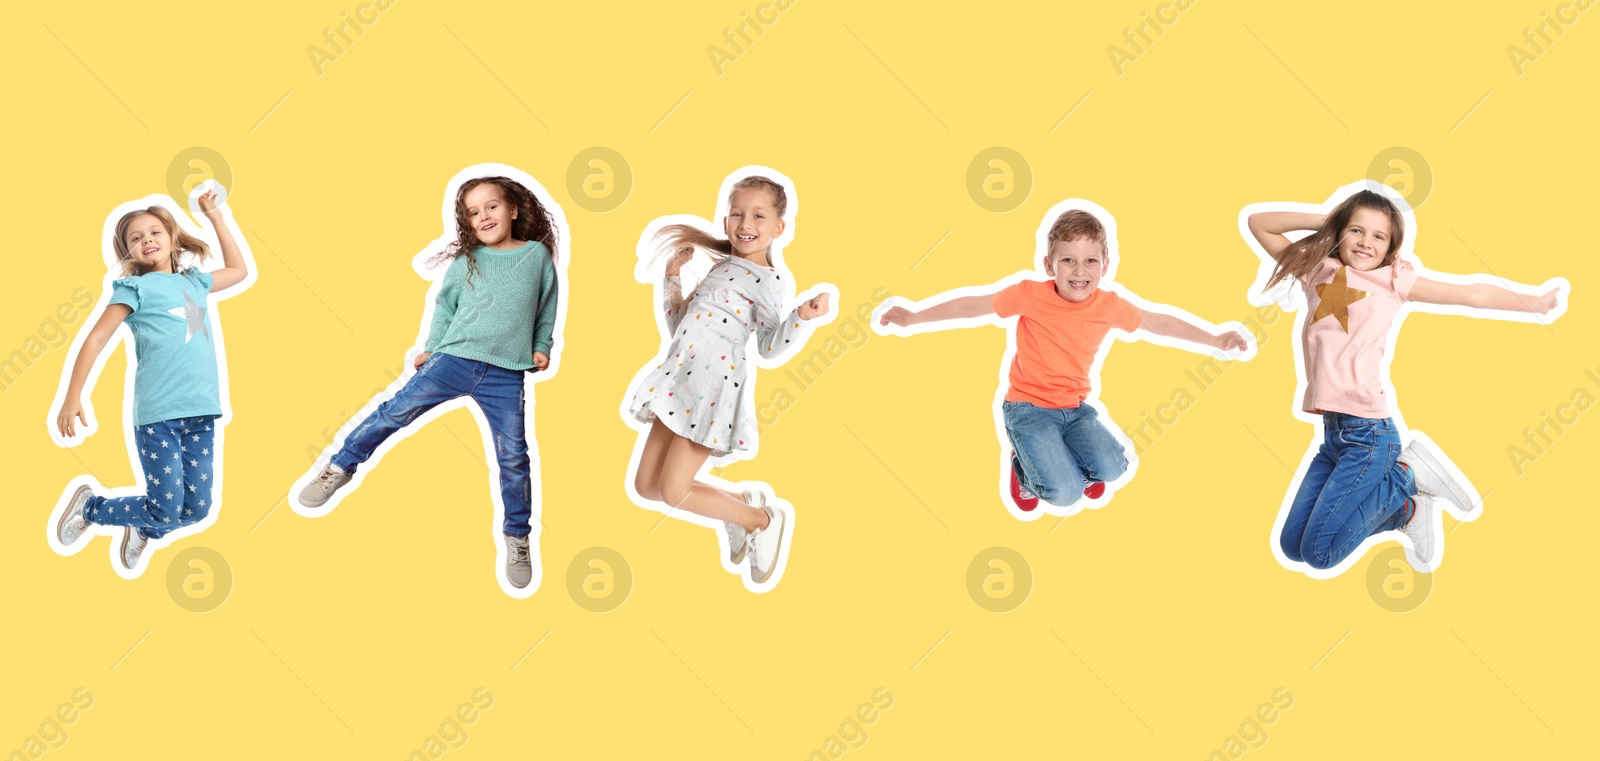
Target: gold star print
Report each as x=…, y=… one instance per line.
x=1336, y=298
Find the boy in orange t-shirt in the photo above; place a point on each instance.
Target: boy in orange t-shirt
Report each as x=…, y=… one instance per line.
x=1061, y=451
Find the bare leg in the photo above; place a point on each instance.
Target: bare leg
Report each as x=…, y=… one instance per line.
x=647, y=481
x=680, y=490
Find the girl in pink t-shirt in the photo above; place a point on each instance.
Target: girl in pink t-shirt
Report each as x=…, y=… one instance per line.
x=1361, y=482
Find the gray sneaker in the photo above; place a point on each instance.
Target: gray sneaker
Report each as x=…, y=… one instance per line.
x=737, y=536
x=519, y=562
x=317, y=493
x=766, y=546
x=133, y=544
x=73, y=525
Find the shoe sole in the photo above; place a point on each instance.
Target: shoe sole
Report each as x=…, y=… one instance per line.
x=122, y=555
x=1467, y=500
x=777, y=555
x=752, y=498
x=61, y=524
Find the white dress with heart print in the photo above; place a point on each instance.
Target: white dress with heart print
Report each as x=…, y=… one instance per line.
x=702, y=390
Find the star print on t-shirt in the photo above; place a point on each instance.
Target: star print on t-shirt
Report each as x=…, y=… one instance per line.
x=194, y=315
x=1336, y=298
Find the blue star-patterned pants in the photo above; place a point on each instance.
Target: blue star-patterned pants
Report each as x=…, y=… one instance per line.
x=176, y=456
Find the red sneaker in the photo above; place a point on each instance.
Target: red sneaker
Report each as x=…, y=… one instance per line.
x=1095, y=490
x=1024, y=499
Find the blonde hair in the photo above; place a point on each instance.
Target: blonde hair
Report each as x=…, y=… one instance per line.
x=679, y=238
x=181, y=241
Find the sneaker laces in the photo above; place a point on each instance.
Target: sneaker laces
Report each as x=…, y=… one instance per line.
x=328, y=476
x=519, y=552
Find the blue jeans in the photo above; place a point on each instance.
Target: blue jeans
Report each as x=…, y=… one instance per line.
x=1059, y=452
x=497, y=391
x=176, y=457
x=1353, y=488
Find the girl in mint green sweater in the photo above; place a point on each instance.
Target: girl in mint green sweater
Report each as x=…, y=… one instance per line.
x=494, y=320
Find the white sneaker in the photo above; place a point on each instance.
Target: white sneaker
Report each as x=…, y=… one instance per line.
x=317, y=492
x=737, y=536
x=519, y=563
x=766, y=546
x=133, y=545
x=1422, y=530
x=73, y=525
x=1435, y=480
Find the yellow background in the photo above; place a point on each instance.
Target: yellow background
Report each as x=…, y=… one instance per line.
x=1154, y=627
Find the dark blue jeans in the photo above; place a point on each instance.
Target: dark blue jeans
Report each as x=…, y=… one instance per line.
x=1354, y=488
x=1058, y=452
x=497, y=391
x=176, y=457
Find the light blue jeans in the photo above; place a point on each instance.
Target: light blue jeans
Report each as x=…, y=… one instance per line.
x=1355, y=487
x=1059, y=452
x=498, y=392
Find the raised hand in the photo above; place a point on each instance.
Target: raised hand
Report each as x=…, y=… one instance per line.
x=208, y=205
x=816, y=307
x=677, y=261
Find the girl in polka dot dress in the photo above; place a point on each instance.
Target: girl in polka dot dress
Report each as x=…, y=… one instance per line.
x=698, y=401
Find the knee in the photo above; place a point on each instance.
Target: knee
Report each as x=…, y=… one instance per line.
x=1317, y=556
x=1055, y=495
x=512, y=452
x=1112, y=468
x=675, y=490
x=648, y=485
x=1291, y=547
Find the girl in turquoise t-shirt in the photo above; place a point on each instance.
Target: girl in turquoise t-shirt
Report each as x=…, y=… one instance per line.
x=176, y=400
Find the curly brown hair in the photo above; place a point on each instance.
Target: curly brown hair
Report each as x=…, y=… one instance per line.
x=534, y=222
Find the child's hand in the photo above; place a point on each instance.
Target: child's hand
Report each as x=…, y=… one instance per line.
x=1231, y=341
x=814, y=308
x=1547, y=302
x=678, y=260
x=65, y=423
x=421, y=358
x=208, y=206
x=541, y=360
x=898, y=316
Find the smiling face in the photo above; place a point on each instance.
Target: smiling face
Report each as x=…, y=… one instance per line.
x=490, y=215
x=149, y=244
x=1077, y=266
x=753, y=222
x=1365, y=240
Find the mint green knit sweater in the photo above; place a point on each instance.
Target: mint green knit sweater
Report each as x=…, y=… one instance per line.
x=505, y=314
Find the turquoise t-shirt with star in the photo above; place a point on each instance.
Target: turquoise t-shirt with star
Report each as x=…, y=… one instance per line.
x=174, y=345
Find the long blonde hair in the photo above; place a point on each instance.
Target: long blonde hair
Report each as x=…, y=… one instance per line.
x=677, y=239
x=1300, y=258
x=181, y=240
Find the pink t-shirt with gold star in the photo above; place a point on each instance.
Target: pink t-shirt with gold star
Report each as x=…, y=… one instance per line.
x=1346, y=334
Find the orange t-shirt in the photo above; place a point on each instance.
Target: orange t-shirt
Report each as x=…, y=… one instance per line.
x=1057, y=340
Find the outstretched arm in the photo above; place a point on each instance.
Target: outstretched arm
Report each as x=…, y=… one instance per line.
x=1483, y=296
x=1269, y=227
x=234, y=268
x=960, y=308
x=71, y=412
x=1200, y=333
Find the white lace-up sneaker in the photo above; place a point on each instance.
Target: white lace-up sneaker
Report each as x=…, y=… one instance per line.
x=519, y=563
x=317, y=493
x=133, y=544
x=737, y=536
x=1435, y=480
x=1421, y=529
x=73, y=525
x=766, y=546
